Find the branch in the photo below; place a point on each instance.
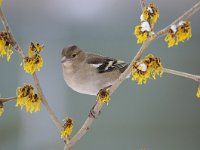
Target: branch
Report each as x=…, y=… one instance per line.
x=85, y=127
x=51, y=113
x=182, y=74
x=16, y=46
x=142, y=4
x=7, y=28
x=123, y=76
x=185, y=16
x=5, y=100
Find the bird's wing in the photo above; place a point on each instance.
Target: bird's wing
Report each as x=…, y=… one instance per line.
x=106, y=64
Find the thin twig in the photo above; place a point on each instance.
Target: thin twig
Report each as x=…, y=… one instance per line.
x=66, y=147
x=5, y=100
x=142, y=4
x=7, y=28
x=182, y=74
x=46, y=105
x=50, y=111
x=123, y=76
x=86, y=126
x=16, y=46
x=185, y=16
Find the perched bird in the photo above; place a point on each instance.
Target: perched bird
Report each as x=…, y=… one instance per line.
x=87, y=73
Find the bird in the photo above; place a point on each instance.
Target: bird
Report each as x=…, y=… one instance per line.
x=88, y=73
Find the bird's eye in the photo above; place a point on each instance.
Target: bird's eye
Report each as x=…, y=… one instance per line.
x=74, y=55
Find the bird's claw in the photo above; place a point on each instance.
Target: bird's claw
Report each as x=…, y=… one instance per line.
x=93, y=113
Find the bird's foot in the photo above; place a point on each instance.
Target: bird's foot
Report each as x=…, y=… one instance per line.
x=93, y=113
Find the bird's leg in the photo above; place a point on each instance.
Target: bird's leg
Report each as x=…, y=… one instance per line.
x=92, y=113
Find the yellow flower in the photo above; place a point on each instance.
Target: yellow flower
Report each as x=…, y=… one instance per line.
x=34, y=47
x=29, y=67
x=1, y=109
x=140, y=73
x=154, y=64
x=170, y=38
x=26, y=97
x=104, y=96
x=31, y=64
x=142, y=32
x=150, y=14
x=1, y=1
x=146, y=68
x=5, y=46
x=34, y=60
x=67, y=128
x=2, y=48
x=9, y=53
x=184, y=31
x=22, y=94
x=33, y=103
x=198, y=92
x=178, y=33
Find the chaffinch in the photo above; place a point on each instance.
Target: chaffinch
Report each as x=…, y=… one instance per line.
x=88, y=73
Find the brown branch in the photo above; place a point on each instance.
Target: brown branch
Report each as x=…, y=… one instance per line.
x=16, y=46
x=7, y=28
x=85, y=127
x=5, y=100
x=98, y=106
x=185, y=16
x=182, y=74
x=142, y=4
x=51, y=113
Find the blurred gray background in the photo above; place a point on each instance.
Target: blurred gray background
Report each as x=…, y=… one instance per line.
x=162, y=115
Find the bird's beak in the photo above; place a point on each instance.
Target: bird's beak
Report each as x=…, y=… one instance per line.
x=63, y=59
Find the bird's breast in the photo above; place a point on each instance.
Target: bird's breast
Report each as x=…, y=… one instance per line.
x=81, y=80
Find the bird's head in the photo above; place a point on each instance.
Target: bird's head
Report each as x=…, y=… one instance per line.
x=72, y=54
